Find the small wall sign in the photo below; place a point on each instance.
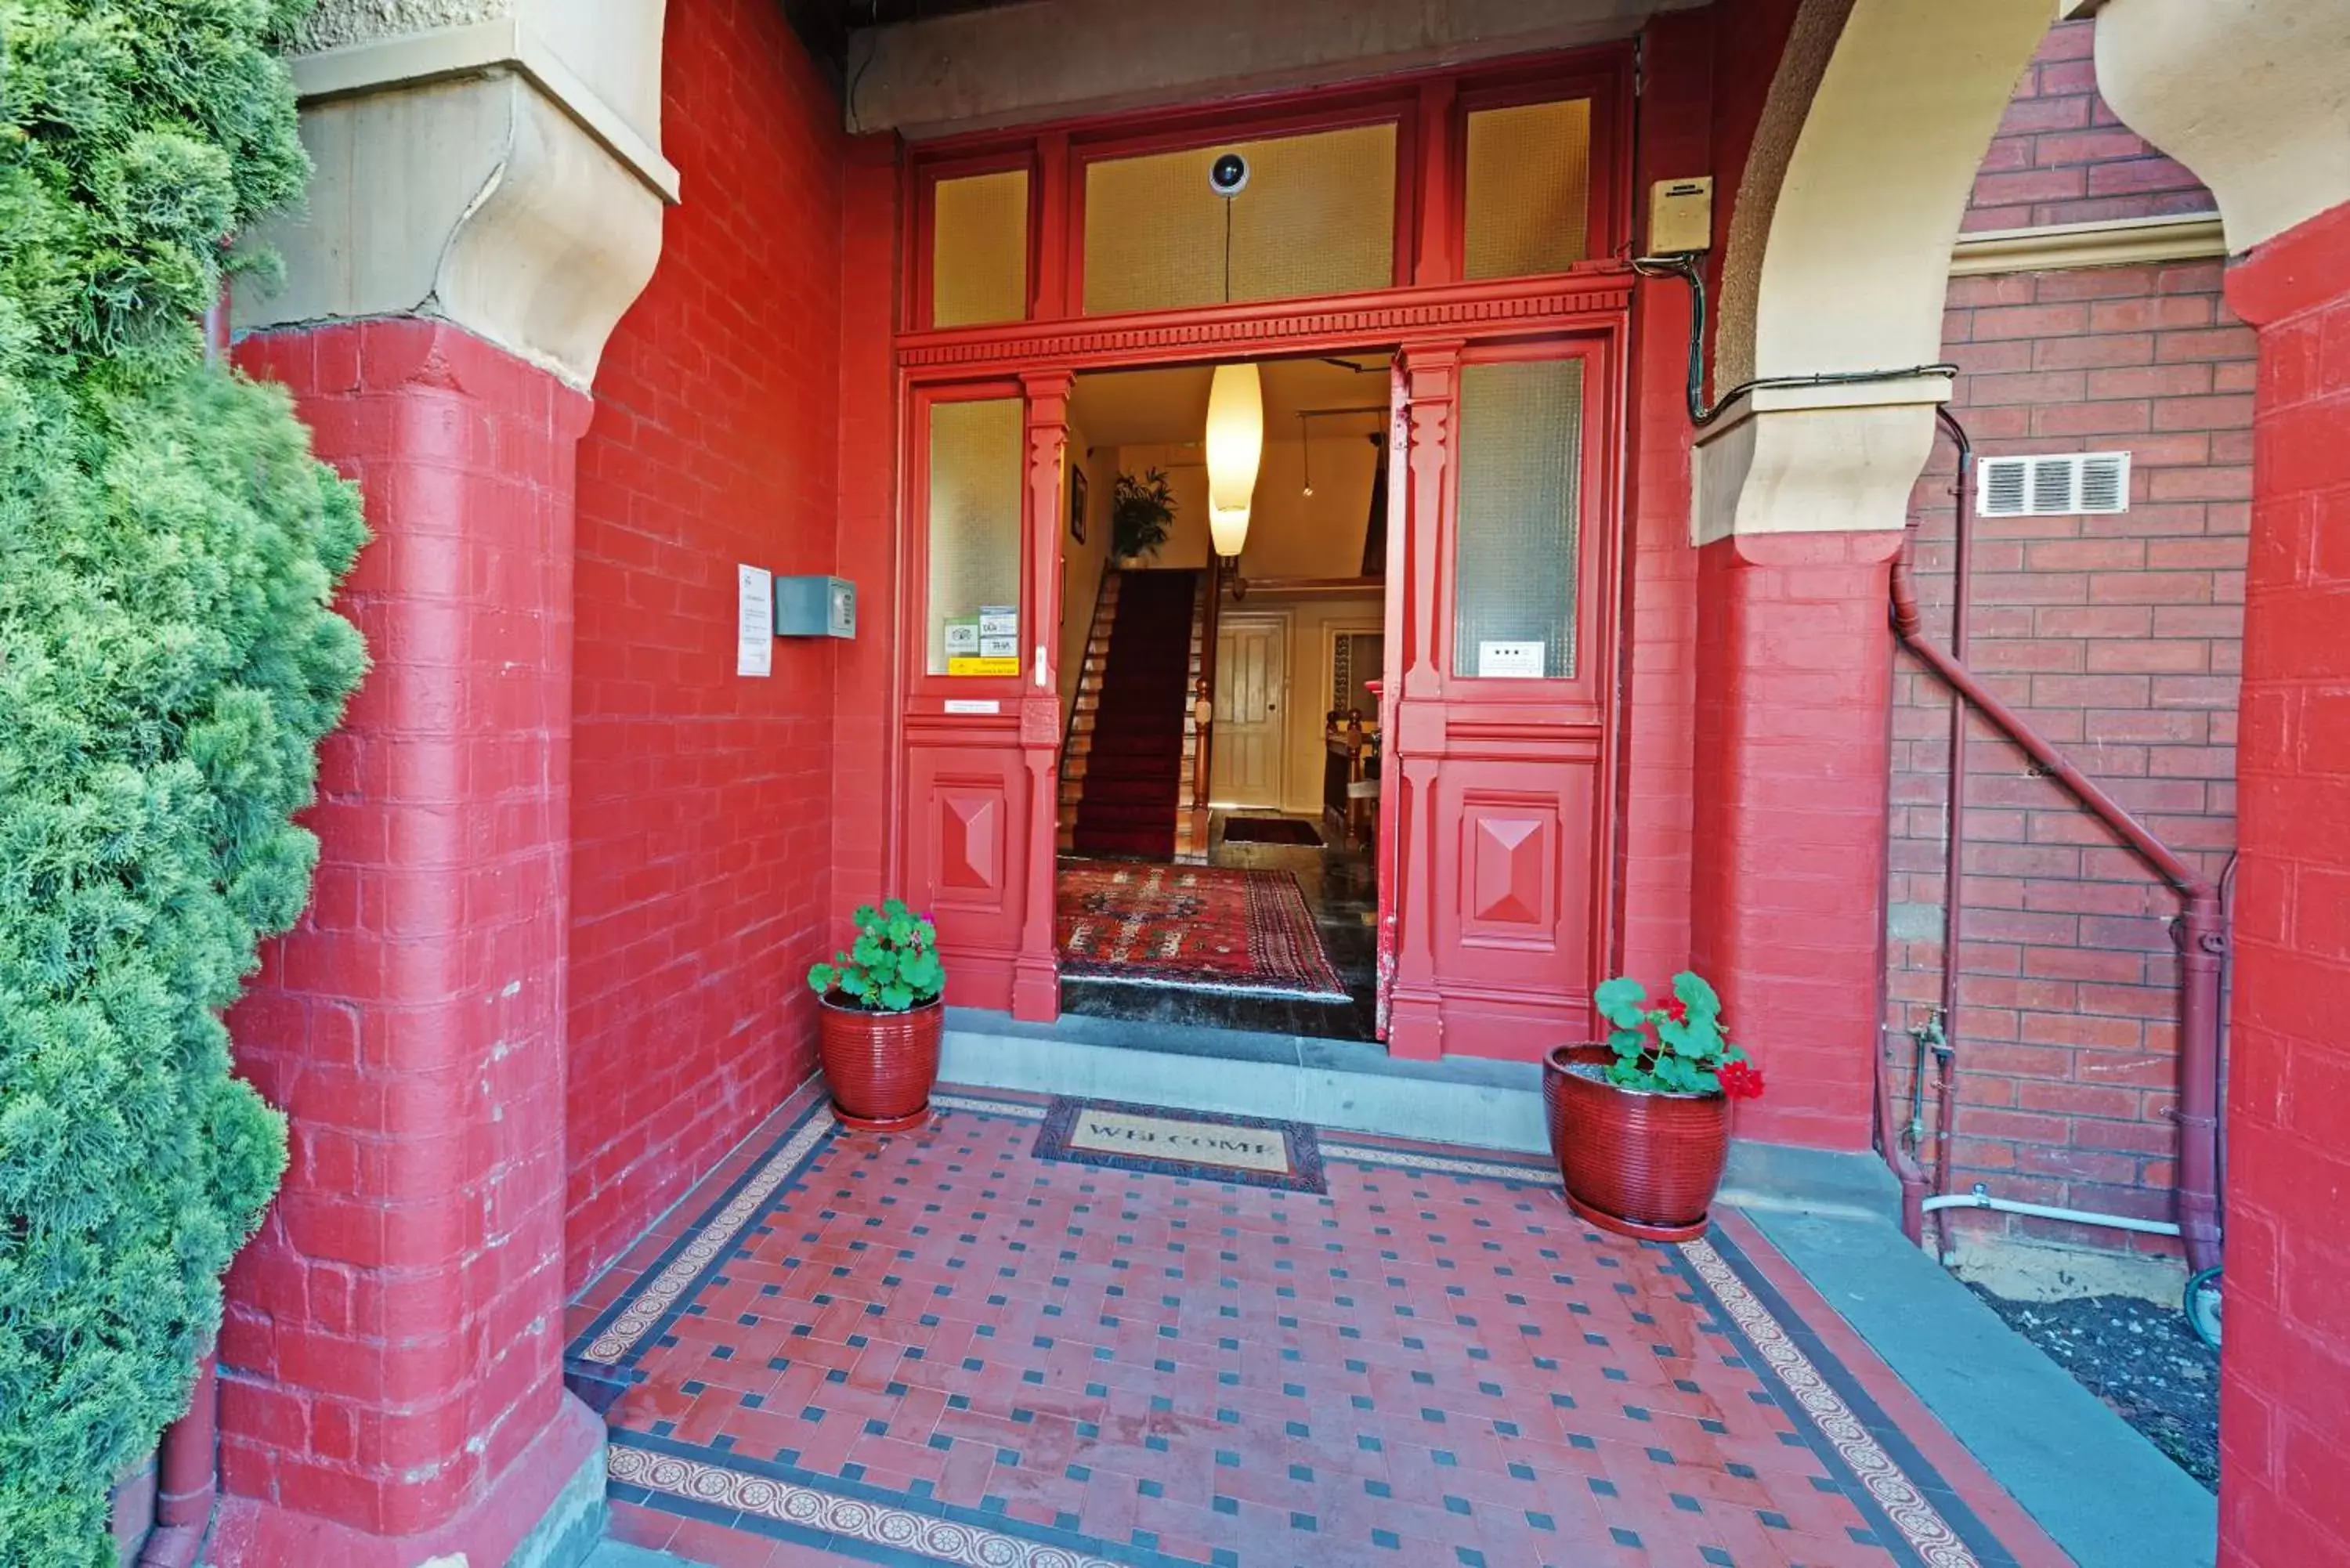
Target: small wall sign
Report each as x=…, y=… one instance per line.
x=1512, y=661
x=755, y=622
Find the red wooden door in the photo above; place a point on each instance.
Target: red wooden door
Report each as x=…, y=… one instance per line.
x=1500, y=662
x=982, y=720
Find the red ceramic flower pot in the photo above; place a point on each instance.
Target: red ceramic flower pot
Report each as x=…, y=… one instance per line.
x=1638, y=1162
x=880, y=1065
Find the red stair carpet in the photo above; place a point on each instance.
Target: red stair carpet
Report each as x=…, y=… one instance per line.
x=1134, y=773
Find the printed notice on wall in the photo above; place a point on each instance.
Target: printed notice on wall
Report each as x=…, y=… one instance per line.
x=1520, y=660
x=755, y=622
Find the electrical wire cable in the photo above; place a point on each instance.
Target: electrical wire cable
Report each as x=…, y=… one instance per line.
x=1683, y=265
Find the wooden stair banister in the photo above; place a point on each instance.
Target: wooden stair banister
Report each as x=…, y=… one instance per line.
x=1076, y=737
x=1203, y=693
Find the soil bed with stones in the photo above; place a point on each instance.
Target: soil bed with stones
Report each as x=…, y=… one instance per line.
x=2141, y=1359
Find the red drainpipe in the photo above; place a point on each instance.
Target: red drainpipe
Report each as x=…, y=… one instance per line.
x=2202, y=933
x=186, y=1477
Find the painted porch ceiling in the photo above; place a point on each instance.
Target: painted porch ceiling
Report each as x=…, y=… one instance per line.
x=967, y=65
x=825, y=25
x=1169, y=407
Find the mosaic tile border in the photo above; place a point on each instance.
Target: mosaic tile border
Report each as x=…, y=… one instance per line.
x=1440, y=1163
x=1823, y=1394
x=818, y=1512
x=621, y=1330
x=1899, y=1499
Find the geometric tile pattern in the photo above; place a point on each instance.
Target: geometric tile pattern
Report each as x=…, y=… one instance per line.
x=935, y=1347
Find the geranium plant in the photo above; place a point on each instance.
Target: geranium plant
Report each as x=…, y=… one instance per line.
x=1676, y=1046
x=892, y=966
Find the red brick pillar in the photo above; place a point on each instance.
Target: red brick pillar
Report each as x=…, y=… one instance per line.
x=391, y=1365
x=1794, y=664
x=2287, y=1362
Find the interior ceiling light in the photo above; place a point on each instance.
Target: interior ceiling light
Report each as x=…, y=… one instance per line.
x=1235, y=402
x=1236, y=449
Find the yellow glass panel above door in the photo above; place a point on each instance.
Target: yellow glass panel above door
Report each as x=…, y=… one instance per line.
x=1317, y=217
x=1529, y=188
x=979, y=249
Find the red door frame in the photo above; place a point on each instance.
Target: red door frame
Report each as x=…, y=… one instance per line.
x=1004, y=761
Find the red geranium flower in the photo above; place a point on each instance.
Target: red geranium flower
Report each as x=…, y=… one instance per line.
x=1740, y=1080
x=1676, y=1008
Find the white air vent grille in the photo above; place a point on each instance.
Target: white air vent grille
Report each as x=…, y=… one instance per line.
x=2058, y=485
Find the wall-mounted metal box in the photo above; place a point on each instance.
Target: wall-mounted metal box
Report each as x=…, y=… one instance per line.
x=815, y=606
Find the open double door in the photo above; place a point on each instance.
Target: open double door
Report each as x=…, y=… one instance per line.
x=1496, y=712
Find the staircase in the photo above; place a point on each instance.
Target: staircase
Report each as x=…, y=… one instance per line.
x=1128, y=771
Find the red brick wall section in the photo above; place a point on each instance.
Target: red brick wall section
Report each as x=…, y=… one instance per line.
x=701, y=819
x=2119, y=636
x=2062, y=156
x=1793, y=671
x=1658, y=779
x=390, y=1346
x=863, y=735
x=2287, y=1368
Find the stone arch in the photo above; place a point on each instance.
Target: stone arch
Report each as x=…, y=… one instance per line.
x=495, y=163
x=2251, y=97
x=1877, y=119
x=1838, y=257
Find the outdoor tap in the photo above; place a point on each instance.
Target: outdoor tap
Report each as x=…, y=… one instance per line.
x=1928, y=1036
x=1931, y=1037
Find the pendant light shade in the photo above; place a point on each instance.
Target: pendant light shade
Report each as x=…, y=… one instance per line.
x=1236, y=449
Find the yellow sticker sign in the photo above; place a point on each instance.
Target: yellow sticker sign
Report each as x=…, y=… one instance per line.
x=963, y=664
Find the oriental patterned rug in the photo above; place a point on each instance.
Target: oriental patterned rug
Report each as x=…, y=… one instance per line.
x=1204, y=928
x=1271, y=830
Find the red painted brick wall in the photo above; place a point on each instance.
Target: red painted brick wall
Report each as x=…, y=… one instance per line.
x=2119, y=636
x=2062, y=156
x=2288, y=1361
x=1657, y=782
x=1792, y=656
x=391, y=1346
x=703, y=802
x=863, y=734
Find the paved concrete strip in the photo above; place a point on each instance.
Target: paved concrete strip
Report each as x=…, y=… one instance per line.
x=620, y=1554
x=2107, y=1495
x=1463, y=1113
x=1781, y=1177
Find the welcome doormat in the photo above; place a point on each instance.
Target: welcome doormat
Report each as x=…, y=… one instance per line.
x=1166, y=1142
x=1201, y=927
x=1271, y=830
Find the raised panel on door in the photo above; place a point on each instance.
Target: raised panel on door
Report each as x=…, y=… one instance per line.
x=968, y=844
x=1517, y=899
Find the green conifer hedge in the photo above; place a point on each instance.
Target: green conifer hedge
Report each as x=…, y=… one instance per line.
x=169, y=660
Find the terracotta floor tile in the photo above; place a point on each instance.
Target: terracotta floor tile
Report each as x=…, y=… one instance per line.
x=1421, y=1366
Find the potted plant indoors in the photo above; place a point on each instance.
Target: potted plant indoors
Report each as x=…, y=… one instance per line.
x=1141, y=516
x=881, y=1019
x=1640, y=1125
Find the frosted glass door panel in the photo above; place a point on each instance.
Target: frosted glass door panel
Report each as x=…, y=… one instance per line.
x=974, y=516
x=1514, y=544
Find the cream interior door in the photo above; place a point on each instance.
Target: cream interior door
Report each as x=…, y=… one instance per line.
x=1252, y=703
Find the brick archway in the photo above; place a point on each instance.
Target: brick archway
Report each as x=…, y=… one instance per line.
x=1874, y=122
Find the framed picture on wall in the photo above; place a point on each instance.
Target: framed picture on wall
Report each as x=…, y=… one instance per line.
x=1076, y=503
